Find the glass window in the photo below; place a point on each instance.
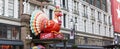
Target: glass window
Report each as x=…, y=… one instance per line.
x=11, y=8
x=64, y=3
x=50, y=14
x=104, y=18
x=92, y=27
x=76, y=5
x=104, y=6
x=99, y=29
x=1, y=7
x=15, y=33
x=85, y=25
x=33, y=7
x=92, y=2
x=109, y=31
x=109, y=20
x=99, y=16
x=98, y=4
x=9, y=32
x=105, y=30
x=84, y=10
x=64, y=19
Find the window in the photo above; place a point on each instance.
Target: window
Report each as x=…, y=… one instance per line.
x=92, y=27
x=3, y=33
x=64, y=19
x=92, y=12
x=54, y=2
x=104, y=5
x=1, y=7
x=64, y=3
x=85, y=25
x=109, y=20
x=76, y=5
x=109, y=31
x=9, y=32
x=33, y=7
x=92, y=2
x=18, y=9
x=50, y=14
x=99, y=16
x=105, y=18
x=11, y=8
x=105, y=30
x=99, y=29
x=98, y=4
x=84, y=10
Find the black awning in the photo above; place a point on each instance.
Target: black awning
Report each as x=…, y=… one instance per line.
x=90, y=47
x=79, y=46
x=111, y=46
x=11, y=42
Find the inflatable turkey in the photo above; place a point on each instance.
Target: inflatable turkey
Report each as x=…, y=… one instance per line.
x=40, y=22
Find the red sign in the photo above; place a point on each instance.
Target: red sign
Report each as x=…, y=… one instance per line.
x=59, y=36
x=51, y=36
x=115, y=7
x=46, y=36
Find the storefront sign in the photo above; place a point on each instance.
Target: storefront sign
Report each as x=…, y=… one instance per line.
x=46, y=36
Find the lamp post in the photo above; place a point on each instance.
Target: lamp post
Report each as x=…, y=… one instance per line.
x=73, y=30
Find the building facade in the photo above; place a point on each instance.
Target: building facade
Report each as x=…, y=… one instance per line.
x=10, y=26
x=92, y=19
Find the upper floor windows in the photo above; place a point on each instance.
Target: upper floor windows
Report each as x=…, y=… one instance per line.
x=98, y=4
x=92, y=12
x=102, y=4
x=99, y=16
x=85, y=10
x=50, y=14
x=33, y=7
x=91, y=2
x=105, y=18
x=92, y=27
x=1, y=7
x=11, y=8
x=64, y=20
x=85, y=25
x=64, y=3
x=76, y=5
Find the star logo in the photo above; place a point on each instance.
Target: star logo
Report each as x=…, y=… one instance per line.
x=118, y=12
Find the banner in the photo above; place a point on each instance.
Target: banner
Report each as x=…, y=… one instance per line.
x=115, y=10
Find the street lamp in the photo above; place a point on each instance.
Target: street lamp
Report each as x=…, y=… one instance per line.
x=73, y=29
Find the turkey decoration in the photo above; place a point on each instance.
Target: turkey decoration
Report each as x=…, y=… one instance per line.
x=48, y=29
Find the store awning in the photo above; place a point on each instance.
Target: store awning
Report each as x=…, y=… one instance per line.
x=11, y=42
x=79, y=46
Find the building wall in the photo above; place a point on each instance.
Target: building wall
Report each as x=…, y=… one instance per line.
x=10, y=23
x=99, y=30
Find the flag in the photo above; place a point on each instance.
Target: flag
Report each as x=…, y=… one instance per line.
x=115, y=11
x=72, y=34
